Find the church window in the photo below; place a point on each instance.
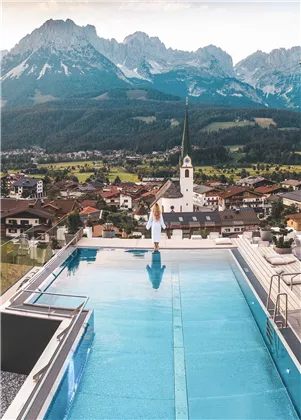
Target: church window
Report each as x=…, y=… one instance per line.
x=186, y=173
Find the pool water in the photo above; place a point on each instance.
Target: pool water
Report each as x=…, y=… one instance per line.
x=174, y=338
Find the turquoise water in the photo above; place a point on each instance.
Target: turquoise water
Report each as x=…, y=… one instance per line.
x=173, y=334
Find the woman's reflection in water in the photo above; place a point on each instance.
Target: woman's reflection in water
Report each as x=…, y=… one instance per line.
x=155, y=272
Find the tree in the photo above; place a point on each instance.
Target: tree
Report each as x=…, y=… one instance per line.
x=52, y=191
x=117, y=181
x=25, y=194
x=74, y=222
x=292, y=209
x=277, y=209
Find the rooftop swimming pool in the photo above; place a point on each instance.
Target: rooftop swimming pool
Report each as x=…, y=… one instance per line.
x=175, y=338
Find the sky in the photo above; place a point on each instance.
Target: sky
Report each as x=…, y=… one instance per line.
x=240, y=28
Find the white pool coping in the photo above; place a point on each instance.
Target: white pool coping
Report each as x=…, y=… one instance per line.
x=148, y=244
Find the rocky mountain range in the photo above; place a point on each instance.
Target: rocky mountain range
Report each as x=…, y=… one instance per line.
x=63, y=60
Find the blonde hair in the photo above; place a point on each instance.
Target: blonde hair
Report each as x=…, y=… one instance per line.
x=156, y=212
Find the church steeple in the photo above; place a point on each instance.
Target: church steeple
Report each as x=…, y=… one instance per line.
x=186, y=145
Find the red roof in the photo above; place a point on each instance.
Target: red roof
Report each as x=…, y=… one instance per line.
x=110, y=194
x=267, y=190
x=234, y=191
x=88, y=210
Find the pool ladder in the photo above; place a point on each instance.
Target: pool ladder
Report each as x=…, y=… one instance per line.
x=277, y=310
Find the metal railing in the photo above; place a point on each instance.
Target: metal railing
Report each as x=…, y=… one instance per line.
x=277, y=311
x=20, y=255
x=278, y=276
x=62, y=337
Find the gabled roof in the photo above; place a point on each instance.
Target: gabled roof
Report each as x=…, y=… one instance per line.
x=88, y=210
x=192, y=219
x=291, y=182
x=171, y=189
x=31, y=211
x=11, y=204
x=109, y=194
x=267, y=190
x=293, y=195
x=26, y=182
x=234, y=191
x=231, y=218
x=62, y=206
x=251, y=180
x=201, y=189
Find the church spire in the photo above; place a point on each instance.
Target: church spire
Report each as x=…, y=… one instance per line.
x=186, y=145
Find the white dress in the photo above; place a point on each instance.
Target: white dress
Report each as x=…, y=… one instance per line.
x=156, y=227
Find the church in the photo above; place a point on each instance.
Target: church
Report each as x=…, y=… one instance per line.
x=177, y=196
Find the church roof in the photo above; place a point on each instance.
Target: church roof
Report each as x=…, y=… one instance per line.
x=171, y=189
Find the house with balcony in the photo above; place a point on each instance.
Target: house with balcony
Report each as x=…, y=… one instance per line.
x=238, y=197
x=226, y=222
x=27, y=188
x=204, y=196
x=236, y=222
x=19, y=220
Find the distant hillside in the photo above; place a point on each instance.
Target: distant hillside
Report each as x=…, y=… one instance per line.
x=148, y=125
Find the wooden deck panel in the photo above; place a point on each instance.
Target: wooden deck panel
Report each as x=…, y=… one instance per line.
x=254, y=256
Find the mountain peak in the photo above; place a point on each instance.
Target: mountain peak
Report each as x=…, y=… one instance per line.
x=136, y=37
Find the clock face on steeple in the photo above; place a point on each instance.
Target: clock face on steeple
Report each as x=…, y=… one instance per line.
x=187, y=161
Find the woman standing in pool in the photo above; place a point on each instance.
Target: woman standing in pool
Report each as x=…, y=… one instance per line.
x=156, y=222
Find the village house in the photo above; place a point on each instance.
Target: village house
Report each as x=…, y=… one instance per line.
x=254, y=182
x=90, y=213
x=225, y=223
x=238, y=221
x=204, y=196
x=141, y=213
x=7, y=181
x=16, y=221
x=239, y=197
x=292, y=184
x=292, y=197
x=294, y=221
x=58, y=208
x=27, y=188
